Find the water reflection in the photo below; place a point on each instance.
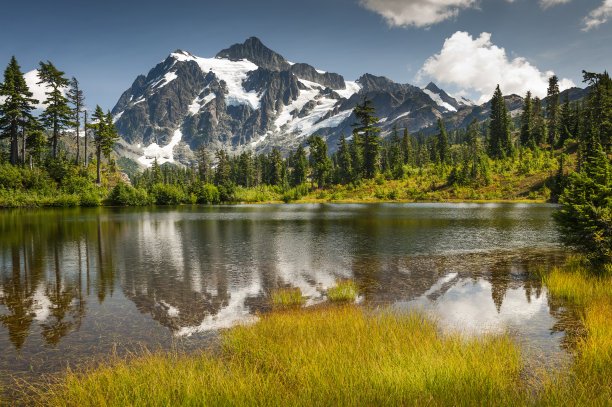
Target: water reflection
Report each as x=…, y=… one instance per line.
x=81, y=280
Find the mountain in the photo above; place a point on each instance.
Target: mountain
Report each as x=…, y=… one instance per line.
x=250, y=98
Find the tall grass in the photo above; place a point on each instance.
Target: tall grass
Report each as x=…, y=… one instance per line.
x=322, y=356
x=343, y=291
x=589, y=380
x=287, y=298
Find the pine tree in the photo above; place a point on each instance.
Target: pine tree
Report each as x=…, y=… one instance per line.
x=441, y=145
x=245, y=170
x=35, y=140
x=539, y=132
x=356, y=150
x=565, y=123
x=500, y=145
x=526, y=136
x=276, y=167
x=407, y=148
x=15, y=111
x=319, y=161
x=300, y=167
x=222, y=172
x=57, y=114
x=599, y=106
x=105, y=135
x=204, y=169
x=552, y=110
x=76, y=98
x=368, y=132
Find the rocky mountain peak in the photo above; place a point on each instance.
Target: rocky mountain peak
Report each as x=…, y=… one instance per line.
x=255, y=51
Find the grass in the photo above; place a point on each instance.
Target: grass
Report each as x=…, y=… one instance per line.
x=347, y=355
x=321, y=356
x=287, y=298
x=343, y=291
x=589, y=380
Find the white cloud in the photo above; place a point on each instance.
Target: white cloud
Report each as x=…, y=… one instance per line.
x=598, y=16
x=550, y=3
x=418, y=13
x=479, y=65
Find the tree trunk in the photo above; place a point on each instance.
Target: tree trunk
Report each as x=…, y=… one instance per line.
x=77, y=141
x=98, y=156
x=23, y=146
x=55, y=137
x=14, y=143
x=85, y=130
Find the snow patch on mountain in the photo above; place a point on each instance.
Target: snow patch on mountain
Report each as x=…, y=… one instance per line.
x=234, y=73
x=438, y=100
x=162, y=154
x=199, y=102
x=351, y=88
x=166, y=79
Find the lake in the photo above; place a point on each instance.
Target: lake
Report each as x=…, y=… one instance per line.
x=77, y=285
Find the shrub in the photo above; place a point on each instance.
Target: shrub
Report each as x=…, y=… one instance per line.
x=90, y=198
x=167, y=194
x=10, y=177
x=205, y=193
x=123, y=194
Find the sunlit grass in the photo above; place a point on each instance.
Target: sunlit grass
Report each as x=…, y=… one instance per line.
x=321, y=356
x=287, y=298
x=589, y=380
x=343, y=291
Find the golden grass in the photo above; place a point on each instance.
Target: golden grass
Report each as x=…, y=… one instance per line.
x=287, y=298
x=322, y=356
x=343, y=291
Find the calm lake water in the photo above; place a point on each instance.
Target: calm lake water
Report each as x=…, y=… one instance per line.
x=76, y=285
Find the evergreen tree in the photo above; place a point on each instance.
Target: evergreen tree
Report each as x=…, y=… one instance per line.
x=15, y=111
x=368, y=132
x=245, y=170
x=526, y=136
x=599, y=107
x=441, y=145
x=565, y=123
x=539, y=132
x=276, y=168
x=204, y=169
x=474, y=147
x=408, y=148
x=396, y=156
x=105, y=135
x=500, y=145
x=586, y=216
x=552, y=110
x=300, y=166
x=344, y=161
x=356, y=150
x=319, y=161
x=156, y=173
x=57, y=114
x=36, y=141
x=76, y=98
x=222, y=172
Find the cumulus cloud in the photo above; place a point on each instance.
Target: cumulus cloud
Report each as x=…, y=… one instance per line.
x=598, y=16
x=479, y=65
x=418, y=13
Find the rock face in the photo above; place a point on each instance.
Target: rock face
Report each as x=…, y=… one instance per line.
x=249, y=98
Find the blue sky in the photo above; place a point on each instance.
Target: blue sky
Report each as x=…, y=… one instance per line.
x=107, y=44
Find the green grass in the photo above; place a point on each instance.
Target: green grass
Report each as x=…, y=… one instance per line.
x=343, y=291
x=287, y=298
x=321, y=356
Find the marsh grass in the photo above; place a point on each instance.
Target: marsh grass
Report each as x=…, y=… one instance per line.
x=589, y=380
x=343, y=291
x=291, y=297
x=320, y=356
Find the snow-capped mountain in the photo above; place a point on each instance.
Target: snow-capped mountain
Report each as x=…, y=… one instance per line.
x=248, y=97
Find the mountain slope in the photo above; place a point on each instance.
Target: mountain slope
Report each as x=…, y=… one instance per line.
x=250, y=98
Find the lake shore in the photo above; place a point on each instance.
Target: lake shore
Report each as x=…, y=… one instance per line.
x=341, y=355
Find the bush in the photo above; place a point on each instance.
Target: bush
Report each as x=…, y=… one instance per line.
x=167, y=194
x=10, y=177
x=90, y=198
x=125, y=195
x=205, y=193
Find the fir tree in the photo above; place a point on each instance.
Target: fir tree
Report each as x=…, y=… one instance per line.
x=76, y=98
x=599, y=107
x=222, y=172
x=367, y=130
x=276, y=168
x=441, y=145
x=356, y=150
x=204, y=169
x=319, y=161
x=526, y=137
x=539, y=131
x=552, y=110
x=344, y=161
x=15, y=111
x=57, y=114
x=565, y=123
x=105, y=135
x=500, y=145
x=300, y=167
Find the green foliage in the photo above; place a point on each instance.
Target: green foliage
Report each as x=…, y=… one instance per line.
x=167, y=194
x=368, y=135
x=343, y=291
x=585, y=221
x=287, y=298
x=10, y=177
x=126, y=195
x=205, y=193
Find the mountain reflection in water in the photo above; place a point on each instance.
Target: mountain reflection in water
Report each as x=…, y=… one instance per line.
x=73, y=283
